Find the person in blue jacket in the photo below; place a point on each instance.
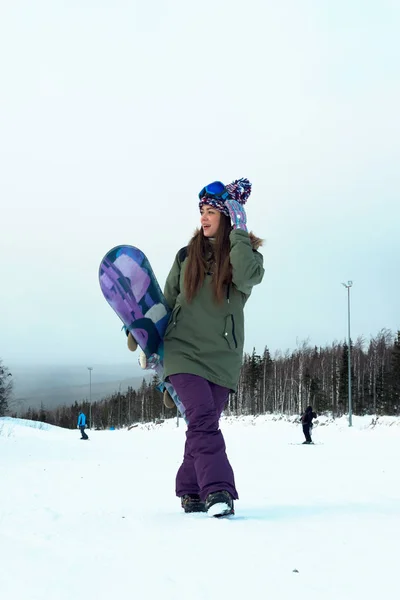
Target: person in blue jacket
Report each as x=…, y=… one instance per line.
x=82, y=424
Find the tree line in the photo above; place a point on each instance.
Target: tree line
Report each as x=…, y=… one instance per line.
x=115, y=410
x=285, y=383
x=318, y=376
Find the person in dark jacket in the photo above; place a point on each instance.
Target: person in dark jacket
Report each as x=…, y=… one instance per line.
x=82, y=424
x=207, y=288
x=306, y=421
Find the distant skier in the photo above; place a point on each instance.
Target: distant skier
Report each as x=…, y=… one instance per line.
x=306, y=421
x=82, y=424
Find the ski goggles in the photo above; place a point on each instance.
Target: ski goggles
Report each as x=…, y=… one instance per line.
x=215, y=190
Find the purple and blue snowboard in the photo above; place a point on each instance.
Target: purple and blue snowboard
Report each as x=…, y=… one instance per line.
x=131, y=289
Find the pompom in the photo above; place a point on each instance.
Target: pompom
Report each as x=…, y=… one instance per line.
x=239, y=190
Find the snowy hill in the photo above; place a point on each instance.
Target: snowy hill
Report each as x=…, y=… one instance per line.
x=99, y=519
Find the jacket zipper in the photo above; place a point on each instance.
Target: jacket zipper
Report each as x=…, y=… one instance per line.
x=233, y=331
x=228, y=289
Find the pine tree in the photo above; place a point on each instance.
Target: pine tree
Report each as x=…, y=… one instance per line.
x=267, y=367
x=394, y=406
x=42, y=414
x=6, y=385
x=254, y=375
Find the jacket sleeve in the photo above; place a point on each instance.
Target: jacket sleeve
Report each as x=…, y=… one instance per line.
x=172, y=285
x=247, y=264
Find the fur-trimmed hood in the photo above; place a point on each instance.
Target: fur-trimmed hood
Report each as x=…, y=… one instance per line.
x=255, y=241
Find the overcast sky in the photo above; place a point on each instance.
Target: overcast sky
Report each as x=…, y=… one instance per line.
x=114, y=114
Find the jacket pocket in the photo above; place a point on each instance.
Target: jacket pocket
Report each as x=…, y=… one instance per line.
x=229, y=332
x=172, y=321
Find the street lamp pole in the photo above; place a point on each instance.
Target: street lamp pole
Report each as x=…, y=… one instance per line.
x=348, y=285
x=90, y=369
x=119, y=405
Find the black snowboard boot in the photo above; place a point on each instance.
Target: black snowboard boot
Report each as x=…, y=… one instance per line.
x=192, y=503
x=219, y=504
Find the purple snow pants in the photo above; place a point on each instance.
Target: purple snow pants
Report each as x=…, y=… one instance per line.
x=205, y=466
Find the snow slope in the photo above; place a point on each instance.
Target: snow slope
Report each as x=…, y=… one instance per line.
x=99, y=519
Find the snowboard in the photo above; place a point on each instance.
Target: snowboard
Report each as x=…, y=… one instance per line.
x=303, y=444
x=131, y=289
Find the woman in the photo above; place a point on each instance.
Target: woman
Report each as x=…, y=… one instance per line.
x=207, y=288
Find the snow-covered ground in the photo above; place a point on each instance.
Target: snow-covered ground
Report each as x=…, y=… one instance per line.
x=99, y=519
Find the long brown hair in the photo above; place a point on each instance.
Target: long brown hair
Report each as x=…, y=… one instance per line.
x=204, y=256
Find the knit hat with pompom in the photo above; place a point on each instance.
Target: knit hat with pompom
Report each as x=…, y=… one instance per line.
x=238, y=190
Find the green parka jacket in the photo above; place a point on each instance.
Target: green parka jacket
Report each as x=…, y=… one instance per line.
x=206, y=338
